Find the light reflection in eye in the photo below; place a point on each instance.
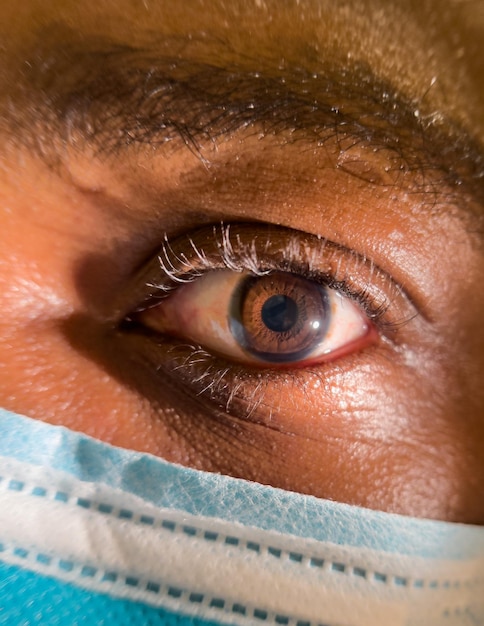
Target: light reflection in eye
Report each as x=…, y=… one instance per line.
x=279, y=318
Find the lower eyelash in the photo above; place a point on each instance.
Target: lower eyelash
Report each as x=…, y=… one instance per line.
x=211, y=381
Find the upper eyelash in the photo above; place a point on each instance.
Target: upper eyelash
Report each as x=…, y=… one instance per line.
x=186, y=271
x=179, y=268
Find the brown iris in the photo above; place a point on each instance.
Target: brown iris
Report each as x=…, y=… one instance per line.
x=280, y=317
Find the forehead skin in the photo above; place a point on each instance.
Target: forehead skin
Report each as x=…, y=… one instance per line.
x=419, y=430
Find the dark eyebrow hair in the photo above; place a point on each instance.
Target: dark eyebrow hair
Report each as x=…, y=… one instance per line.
x=112, y=96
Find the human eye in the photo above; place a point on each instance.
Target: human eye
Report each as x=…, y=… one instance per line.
x=274, y=318
x=234, y=308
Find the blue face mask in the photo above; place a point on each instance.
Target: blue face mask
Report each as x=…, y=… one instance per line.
x=91, y=534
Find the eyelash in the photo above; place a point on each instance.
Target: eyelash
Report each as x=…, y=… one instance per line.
x=250, y=247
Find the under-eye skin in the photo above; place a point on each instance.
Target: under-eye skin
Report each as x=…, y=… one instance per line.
x=189, y=299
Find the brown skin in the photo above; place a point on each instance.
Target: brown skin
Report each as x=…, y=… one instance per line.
x=397, y=425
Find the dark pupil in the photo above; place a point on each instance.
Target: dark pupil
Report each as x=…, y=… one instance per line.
x=279, y=313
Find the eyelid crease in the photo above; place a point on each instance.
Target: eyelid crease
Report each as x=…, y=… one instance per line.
x=262, y=249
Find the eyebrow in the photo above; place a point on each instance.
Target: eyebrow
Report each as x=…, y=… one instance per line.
x=113, y=96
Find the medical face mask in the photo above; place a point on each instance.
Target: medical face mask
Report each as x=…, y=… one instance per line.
x=91, y=534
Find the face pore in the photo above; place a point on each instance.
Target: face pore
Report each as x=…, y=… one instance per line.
x=360, y=123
